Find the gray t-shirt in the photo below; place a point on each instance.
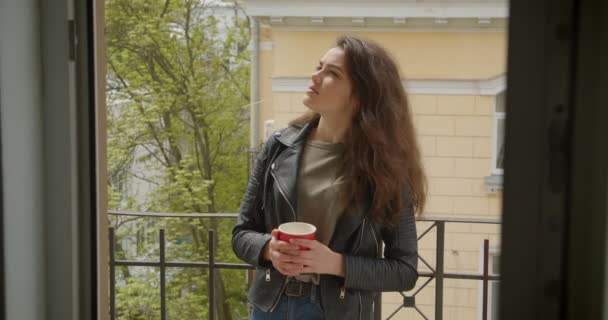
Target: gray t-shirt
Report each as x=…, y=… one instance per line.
x=320, y=180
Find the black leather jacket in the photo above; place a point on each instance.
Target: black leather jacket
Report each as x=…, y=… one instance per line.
x=270, y=200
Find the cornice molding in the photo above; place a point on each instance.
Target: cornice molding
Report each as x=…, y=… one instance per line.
x=378, y=9
x=488, y=87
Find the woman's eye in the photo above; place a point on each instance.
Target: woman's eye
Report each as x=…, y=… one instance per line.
x=332, y=72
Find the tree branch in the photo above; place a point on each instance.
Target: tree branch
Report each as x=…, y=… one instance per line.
x=142, y=111
x=165, y=8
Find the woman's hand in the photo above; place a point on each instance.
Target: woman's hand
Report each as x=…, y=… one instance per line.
x=282, y=255
x=319, y=259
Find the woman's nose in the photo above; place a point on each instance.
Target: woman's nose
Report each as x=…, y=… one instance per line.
x=315, y=77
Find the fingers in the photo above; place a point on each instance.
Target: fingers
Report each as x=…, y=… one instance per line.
x=289, y=251
x=305, y=243
x=275, y=233
x=284, y=254
x=304, y=261
x=282, y=257
x=285, y=263
x=287, y=268
x=285, y=247
x=288, y=258
x=308, y=269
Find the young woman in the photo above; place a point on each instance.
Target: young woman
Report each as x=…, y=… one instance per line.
x=351, y=167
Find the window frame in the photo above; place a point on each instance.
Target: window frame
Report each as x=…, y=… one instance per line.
x=498, y=116
x=493, y=253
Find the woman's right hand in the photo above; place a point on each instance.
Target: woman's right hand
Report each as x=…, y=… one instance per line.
x=281, y=254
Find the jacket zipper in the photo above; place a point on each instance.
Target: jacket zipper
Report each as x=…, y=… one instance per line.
x=284, y=196
x=278, y=297
x=378, y=253
x=342, y=293
x=264, y=192
x=266, y=171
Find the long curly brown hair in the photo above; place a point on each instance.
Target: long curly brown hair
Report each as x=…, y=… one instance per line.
x=381, y=146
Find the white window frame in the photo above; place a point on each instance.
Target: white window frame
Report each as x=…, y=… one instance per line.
x=493, y=253
x=498, y=116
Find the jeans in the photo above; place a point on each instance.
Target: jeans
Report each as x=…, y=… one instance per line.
x=293, y=308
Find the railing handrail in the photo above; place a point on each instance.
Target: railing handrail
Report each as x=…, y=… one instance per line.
x=172, y=214
x=458, y=220
x=235, y=215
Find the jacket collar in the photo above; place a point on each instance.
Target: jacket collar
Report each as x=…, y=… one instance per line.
x=294, y=134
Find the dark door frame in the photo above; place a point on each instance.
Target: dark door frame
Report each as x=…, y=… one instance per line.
x=84, y=16
x=553, y=248
x=555, y=162
x=2, y=279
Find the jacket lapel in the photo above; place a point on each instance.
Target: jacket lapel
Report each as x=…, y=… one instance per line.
x=285, y=172
x=349, y=223
x=286, y=166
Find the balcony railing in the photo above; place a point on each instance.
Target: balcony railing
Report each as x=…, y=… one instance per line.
x=436, y=273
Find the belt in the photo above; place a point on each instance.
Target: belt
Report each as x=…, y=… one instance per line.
x=296, y=288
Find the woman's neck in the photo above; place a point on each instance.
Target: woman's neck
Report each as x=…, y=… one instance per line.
x=330, y=131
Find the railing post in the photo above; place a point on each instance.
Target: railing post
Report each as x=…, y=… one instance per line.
x=439, y=270
x=211, y=274
x=486, y=252
x=377, y=306
x=112, y=276
x=163, y=300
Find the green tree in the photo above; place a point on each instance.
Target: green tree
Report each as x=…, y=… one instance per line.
x=178, y=85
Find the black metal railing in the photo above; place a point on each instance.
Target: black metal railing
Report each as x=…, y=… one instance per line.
x=436, y=273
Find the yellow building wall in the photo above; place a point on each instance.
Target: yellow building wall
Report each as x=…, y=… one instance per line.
x=421, y=55
x=455, y=133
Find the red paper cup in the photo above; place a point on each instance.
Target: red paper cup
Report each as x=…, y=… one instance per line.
x=297, y=230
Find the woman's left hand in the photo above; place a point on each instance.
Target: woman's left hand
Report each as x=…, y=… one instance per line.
x=319, y=259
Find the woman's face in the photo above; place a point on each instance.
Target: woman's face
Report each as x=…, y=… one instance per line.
x=330, y=88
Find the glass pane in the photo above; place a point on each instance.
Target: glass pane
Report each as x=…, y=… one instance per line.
x=494, y=267
x=494, y=288
x=500, y=143
x=500, y=102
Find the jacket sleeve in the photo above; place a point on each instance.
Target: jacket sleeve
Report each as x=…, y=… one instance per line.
x=249, y=235
x=397, y=270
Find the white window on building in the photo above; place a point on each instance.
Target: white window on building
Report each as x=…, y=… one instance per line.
x=499, y=134
x=494, y=181
x=493, y=286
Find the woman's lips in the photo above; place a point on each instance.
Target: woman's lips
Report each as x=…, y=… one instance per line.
x=312, y=90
